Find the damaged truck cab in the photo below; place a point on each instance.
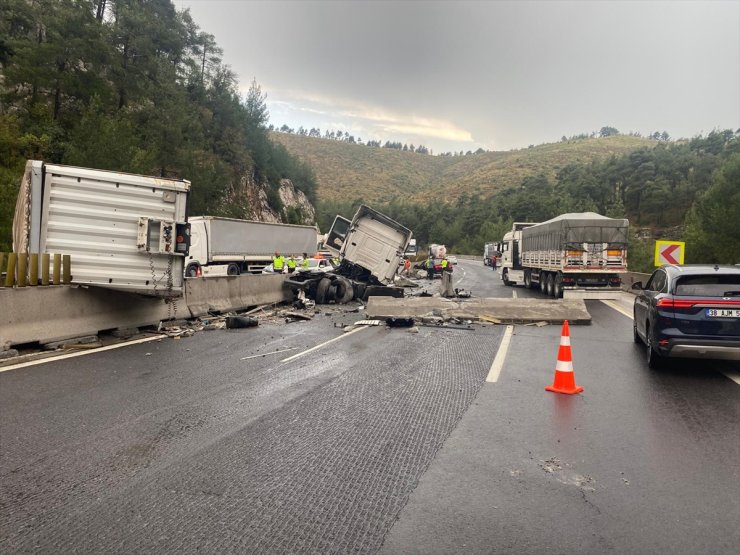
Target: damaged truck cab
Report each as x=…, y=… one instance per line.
x=369, y=247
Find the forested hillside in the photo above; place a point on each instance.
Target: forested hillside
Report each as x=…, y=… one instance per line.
x=131, y=86
x=384, y=174
x=675, y=190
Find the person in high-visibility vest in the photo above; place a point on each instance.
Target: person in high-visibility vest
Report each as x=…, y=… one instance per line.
x=278, y=263
x=446, y=290
x=430, y=268
x=292, y=263
x=305, y=264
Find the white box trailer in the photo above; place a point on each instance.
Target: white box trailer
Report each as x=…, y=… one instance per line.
x=122, y=231
x=227, y=246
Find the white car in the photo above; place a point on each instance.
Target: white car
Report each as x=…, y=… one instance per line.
x=452, y=260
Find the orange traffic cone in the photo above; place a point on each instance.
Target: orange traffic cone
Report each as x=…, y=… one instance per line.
x=565, y=379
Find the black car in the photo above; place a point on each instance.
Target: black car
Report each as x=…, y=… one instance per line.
x=689, y=311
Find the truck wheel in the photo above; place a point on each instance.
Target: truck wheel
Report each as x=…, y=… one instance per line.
x=322, y=291
x=543, y=283
x=550, y=285
x=527, y=279
x=505, y=278
x=193, y=270
x=232, y=270
x=557, y=287
x=343, y=291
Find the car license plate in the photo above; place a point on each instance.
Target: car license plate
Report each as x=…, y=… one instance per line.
x=723, y=312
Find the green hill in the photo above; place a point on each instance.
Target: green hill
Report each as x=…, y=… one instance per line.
x=346, y=171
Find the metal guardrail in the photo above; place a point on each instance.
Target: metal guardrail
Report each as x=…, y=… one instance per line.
x=23, y=269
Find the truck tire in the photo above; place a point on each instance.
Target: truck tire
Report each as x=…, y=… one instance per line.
x=322, y=291
x=193, y=270
x=557, y=286
x=505, y=278
x=550, y=285
x=527, y=279
x=343, y=290
x=543, y=282
x=233, y=269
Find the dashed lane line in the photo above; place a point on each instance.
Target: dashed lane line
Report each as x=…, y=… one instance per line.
x=731, y=374
x=462, y=278
x=513, y=293
x=498, y=361
x=312, y=349
x=80, y=353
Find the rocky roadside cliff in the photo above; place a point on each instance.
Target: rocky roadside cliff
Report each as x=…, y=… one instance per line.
x=253, y=199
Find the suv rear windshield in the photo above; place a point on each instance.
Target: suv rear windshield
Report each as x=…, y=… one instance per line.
x=722, y=285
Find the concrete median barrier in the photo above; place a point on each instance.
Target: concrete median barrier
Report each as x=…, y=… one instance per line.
x=224, y=293
x=502, y=310
x=51, y=314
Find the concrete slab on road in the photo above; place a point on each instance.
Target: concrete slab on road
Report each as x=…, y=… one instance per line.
x=505, y=310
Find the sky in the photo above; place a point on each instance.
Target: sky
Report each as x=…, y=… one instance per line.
x=496, y=75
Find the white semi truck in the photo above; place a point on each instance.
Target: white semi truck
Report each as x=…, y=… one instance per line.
x=369, y=247
x=579, y=251
x=226, y=246
x=122, y=231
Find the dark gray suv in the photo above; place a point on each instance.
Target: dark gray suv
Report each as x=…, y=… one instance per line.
x=689, y=311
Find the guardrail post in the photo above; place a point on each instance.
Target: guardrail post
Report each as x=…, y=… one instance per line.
x=22, y=268
x=10, y=275
x=45, y=259
x=66, y=269
x=57, y=269
x=33, y=274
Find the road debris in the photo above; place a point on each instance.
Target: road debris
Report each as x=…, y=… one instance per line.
x=234, y=322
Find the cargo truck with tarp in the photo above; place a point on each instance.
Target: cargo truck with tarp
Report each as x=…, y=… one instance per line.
x=122, y=231
x=579, y=251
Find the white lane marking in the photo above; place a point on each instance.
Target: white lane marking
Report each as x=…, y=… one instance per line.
x=270, y=353
x=615, y=306
x=732, y=374
x=513, y=293
x=462, y=278
x=324, y=344
x=81, y=353
x=498, y=361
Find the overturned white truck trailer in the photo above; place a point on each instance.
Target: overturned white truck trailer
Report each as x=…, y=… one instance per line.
x=579, y=252
x=122, y=231
x=369, y=247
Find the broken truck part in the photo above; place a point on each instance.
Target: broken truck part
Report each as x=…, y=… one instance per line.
x=369, y=247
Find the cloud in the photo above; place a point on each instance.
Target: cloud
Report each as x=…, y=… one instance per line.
x=362, y=118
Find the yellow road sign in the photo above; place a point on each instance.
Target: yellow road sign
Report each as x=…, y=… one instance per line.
x=669, y=252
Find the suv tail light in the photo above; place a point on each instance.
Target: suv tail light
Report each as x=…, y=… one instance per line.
x=686, y=303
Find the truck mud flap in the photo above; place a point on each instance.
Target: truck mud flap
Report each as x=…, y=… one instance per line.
x=382, y=291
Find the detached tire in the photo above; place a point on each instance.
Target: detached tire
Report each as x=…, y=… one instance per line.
x=343, y=290
x=322, y=291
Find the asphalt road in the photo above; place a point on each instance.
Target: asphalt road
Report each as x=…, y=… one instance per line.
x=383, y=440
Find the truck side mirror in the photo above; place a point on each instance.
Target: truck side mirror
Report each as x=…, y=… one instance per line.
x=637, y=285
